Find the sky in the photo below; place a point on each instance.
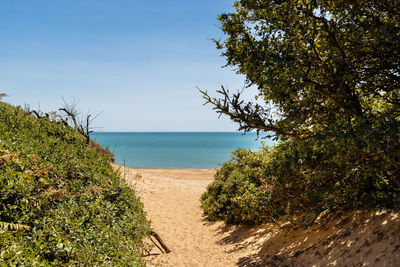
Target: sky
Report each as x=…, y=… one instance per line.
x=137, y=64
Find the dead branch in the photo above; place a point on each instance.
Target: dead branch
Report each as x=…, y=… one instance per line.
x=37, y=114
x=71, y=115
x=83, y=129
x=160, y=241
x=14, y=226
x=155, y=243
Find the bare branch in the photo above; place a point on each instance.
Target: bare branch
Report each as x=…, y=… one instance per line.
x=248, y=115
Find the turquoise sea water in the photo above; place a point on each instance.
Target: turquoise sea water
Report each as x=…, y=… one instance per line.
x=175, y=150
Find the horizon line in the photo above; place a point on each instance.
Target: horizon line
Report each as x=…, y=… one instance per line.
x=173, y=132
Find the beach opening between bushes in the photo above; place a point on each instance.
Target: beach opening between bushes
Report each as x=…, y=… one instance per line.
x=171, y=199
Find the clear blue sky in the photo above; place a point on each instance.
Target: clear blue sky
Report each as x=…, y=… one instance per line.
x=137, y=62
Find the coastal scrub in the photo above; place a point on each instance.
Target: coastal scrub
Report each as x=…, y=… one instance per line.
x=61, y=203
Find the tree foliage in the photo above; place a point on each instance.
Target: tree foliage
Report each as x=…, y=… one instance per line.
x=316, y=64
x=328, y=80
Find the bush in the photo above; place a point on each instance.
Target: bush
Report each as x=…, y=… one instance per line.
x=308, y=176
x=72, y=207
x=237, y=194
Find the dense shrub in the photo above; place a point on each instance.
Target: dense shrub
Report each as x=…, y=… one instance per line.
x=308, y=176
x=73, y=208
x=237, y=195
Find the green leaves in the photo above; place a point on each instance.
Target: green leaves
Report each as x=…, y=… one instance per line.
x=329, y=78
x=307, y=176
x=47, y=177
x=319, y=63
x=236, y=195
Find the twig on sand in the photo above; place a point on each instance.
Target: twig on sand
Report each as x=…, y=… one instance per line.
x=164, y=249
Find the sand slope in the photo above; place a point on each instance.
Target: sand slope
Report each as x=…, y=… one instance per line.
x=171, y=199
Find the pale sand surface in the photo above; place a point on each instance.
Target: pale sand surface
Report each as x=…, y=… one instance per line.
x=171, y=200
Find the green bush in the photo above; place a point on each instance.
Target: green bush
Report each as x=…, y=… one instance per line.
x=360, y=169
x=237, y=194
x=73, y=208
x=308, y=176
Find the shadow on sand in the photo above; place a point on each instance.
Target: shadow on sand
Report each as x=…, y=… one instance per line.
x=355, y=238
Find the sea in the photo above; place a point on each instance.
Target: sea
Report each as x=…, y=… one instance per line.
x=175, y=150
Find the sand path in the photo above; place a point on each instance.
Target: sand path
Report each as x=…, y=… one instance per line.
x=171, y=200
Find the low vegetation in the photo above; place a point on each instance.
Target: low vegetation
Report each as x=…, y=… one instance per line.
x=61, y=203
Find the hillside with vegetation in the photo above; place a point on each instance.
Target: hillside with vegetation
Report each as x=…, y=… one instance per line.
x=61, y=203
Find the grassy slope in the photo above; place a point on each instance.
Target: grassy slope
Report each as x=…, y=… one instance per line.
x=77, y=208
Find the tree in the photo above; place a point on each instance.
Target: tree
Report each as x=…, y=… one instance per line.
x=320, y=66
x=328, y=80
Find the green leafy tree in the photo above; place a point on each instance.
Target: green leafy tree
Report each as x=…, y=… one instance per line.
x=328, y=80
x=324, y=69
x=315, y=63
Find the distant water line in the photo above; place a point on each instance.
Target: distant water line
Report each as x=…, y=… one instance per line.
x=180, y=150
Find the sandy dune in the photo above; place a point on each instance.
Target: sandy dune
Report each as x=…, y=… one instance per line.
x=171, y=199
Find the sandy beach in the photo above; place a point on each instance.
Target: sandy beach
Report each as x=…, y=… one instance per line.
x=171, y=200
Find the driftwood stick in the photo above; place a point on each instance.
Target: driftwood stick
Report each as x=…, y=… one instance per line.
x=160, y=241
x=155, y=243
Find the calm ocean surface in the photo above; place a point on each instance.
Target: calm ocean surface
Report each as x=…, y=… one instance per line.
x=175, y=150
